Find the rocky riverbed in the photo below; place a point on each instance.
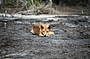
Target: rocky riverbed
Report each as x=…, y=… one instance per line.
x=71, y=39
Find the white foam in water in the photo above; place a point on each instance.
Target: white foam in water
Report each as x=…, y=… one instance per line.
x=54, y=19
x=24, y=53
x=70, y=25
x=32, y=16
x=40, y=16
x=19, y=22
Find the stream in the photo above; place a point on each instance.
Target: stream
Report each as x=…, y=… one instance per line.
x=71, y=39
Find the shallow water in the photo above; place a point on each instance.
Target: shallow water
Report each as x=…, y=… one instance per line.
x=71, y=39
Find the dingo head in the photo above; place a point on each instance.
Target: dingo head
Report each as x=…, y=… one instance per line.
x=42, y=30
x=45, y=30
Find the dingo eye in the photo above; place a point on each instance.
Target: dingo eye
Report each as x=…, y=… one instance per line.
x=43, y=31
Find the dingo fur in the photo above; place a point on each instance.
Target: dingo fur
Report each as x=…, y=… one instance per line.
x=42, y=30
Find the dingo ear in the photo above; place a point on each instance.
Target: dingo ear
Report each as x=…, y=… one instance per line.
x=42, y=27
x=49, y=27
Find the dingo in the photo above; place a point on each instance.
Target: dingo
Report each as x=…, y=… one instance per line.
x=42, y=30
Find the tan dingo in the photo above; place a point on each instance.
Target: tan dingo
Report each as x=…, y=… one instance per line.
x=42, y=30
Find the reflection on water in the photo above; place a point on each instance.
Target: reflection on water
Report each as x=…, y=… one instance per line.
x=71, y=39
